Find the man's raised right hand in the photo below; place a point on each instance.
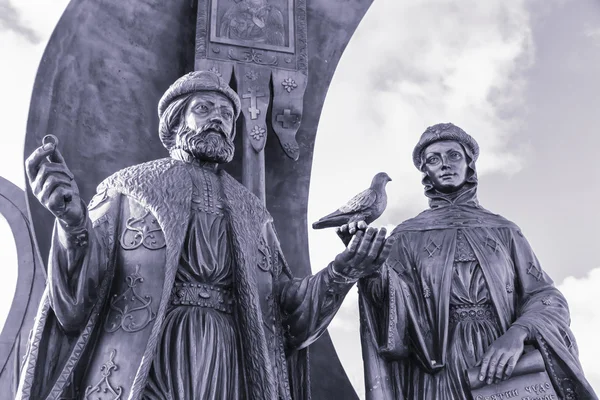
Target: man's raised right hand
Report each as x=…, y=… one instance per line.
x=53, y=185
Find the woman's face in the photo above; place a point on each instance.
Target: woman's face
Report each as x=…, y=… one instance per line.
x=445, y=165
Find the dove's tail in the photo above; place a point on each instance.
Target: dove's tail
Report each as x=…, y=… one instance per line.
x=330, y=222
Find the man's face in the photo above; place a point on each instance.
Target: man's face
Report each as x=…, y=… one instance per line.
x=208, y=130
x=445, y=165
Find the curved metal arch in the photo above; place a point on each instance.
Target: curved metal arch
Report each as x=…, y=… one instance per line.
x=30, y=283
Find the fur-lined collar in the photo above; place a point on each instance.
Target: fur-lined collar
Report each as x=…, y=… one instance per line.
x=164, y=186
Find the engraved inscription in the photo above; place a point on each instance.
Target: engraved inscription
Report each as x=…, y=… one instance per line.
x=509, y=394
x=536, y=391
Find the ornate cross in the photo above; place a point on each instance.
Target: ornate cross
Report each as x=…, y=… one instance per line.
x=287, y=119
x=253, y=95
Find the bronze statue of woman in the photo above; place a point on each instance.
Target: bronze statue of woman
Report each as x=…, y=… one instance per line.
x=462, y=289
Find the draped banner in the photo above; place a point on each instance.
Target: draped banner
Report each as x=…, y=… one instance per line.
x=261, y=46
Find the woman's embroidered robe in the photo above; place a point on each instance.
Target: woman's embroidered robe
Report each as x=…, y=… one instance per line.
x=457, y=278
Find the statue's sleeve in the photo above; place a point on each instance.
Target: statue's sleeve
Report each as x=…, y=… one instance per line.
x=384, y=320
x=308, y=304
x=541, y=304
x=77, y=262
x=543, y=312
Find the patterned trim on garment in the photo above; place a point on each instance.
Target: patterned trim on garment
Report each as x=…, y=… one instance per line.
x=281, y=368
x=203, y=295
x=464, y=252
x=470, y=312
x=392, y=317
x=205, y=196
x=568, y=394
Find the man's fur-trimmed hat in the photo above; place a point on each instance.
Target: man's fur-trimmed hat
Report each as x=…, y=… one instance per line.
x=198, y=81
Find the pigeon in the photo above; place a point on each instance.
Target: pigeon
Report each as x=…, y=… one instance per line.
x=366, y=206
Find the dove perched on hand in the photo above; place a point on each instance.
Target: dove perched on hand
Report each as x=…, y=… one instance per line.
x=366, y=206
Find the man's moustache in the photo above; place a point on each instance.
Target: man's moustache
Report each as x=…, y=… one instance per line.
x=212, y=127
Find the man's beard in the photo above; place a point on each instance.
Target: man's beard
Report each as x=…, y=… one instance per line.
x=209, y=143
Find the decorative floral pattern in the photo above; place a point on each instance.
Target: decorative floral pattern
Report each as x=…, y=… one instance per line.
x=130, y=311
x=145, y=231
x=463, y=252
x=257, y=132
x=289, y=84
x=252, y=75
x=104, y=390
x=426, y=291
x=291, y=149
x=252, y=56
x=216, y=71
x=547, y=301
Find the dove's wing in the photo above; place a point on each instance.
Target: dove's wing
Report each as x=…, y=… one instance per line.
x=360, y=202
x=354, y=207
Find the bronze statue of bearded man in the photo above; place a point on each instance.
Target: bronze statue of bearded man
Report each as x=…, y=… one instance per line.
x=171, y=284
x=461, y=290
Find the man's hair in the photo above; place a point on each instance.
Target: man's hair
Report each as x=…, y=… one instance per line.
x=171, y=122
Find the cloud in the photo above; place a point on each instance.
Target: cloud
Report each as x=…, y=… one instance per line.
x=592, y=33
x=17, y=74
x=431, y=62
x=585, y=320
x=11, y=20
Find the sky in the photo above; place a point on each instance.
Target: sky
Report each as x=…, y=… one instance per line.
x=519, y=76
